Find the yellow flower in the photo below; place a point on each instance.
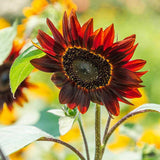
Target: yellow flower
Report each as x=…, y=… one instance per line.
x=4, y=23
x=151, y=137
x=119, y=142
x=43, y=91
x=36, y=14
x=36, y=7
x=7, y=116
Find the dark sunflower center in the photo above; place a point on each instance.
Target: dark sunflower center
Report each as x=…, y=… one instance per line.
x=4, y=77
x=86, y=69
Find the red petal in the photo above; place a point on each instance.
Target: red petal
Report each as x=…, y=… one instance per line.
x=120, y=97
x=123, y=46
x=49, y=43
x=66, y=33
x=130, y=53
x=94, y=96
x=135, y=65
x=98, y=39
x=56, y=34
x=74, y=27
x=125, y=77
x=140, y=74
x=84, y=102
x=126, y=91
x=108, y=36
x=131, y=36
x=46, y=64
x=59, y=79
x=86, y=31
x=110, y=101
x=71, y=105
x=131, y=93
x=45, y=40
x=66, y=93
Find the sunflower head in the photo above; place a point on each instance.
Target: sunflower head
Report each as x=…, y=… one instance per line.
x=88, y=65
x=6, y=96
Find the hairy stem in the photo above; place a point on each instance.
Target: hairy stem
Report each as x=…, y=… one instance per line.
x=98, y=132
x=84, y=137
x=65, y=144
x=107, y=128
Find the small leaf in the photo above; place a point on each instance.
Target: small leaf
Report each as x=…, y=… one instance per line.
x=65, y=121
x=48, y=123
x=65, y=124
x=57, y=112
x=147, y=107
x=16, y=137
x=7, y=35
x=22, y=67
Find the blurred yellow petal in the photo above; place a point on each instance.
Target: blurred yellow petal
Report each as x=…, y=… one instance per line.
x=120, y=141
x=4, y=23
x=151, y=137
x=44, y=92
x=36, y=7
x=7, y=116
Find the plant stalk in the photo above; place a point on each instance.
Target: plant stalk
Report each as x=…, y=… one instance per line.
x=65, y=144
x=98, y=132
x=84, y=137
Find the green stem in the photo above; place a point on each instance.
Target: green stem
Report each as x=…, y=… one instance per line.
x=84, y=137
x=65, y=144
x=98, y=132
x=107, y=128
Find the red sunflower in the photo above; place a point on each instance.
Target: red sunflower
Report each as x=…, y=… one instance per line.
x=6, y=95
x=88, y=66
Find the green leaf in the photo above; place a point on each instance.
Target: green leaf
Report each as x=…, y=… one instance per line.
x=48, y=123
x=65, y=122
x=7, y=35
x=146, y=108
x=22, y=67
x=16, y=137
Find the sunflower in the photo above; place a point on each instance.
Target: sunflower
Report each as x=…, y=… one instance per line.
x=88, y=66
x=6, y=96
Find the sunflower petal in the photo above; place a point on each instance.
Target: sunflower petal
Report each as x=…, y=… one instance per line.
x=49, y=43
x=110, y=101
x=74, y=27
x=59, y=79
x=135, y=65
x=46, y=64
x=86, y=31
x=66, y=93
x=108, y=36
x=84, y=102
x=56, y=34
x=125, y=77
x=65, y=27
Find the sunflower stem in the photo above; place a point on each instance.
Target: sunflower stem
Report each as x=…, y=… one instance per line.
x=84, y=137
x=107, y=128
x=98, y=133
x=65, y=144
